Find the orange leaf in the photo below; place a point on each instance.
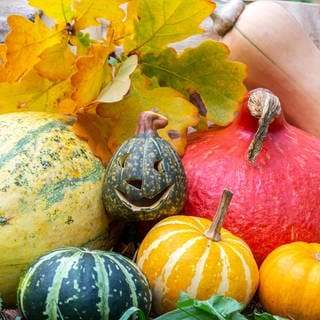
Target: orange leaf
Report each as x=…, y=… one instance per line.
x=96, y=130
x=25, y=42
x=93, y=72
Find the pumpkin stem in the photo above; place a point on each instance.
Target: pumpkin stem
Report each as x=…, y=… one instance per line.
x=214, y=232
x=224, y=18
x=149, y=122
x=264, y=105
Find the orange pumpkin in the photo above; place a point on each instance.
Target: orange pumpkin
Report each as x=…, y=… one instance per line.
x=197, y=256
x=290, y=281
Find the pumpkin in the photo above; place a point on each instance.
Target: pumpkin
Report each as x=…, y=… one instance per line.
x=145, y=179
x=78, y=283
x=290, y=281
x=50, y=193
x=263, y=37
x=273, y=169
x=194, y=255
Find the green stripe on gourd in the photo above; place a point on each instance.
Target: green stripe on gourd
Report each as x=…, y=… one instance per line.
x=77, y=283
x=50, y=193
x=145, y=179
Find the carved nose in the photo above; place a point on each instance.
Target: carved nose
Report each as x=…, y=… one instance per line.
x=137, y=183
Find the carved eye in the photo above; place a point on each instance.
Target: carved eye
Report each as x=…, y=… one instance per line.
x=158, y=165
x=123, y=159
x=137, y=183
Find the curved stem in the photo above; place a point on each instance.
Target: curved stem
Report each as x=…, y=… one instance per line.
x=263, y=104
x=214, y=231
x=225, y=18
x=149, y=122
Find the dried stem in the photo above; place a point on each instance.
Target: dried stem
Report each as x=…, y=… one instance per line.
x=266, y=106
x=214, y=232
x=149, y=122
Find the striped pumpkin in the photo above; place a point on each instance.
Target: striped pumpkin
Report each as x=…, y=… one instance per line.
x=177, y=256
x=50, y=193
x=77, y=283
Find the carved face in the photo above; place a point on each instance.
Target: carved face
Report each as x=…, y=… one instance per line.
x=144, y=180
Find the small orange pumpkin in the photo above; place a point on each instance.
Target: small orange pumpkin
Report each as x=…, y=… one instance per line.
x=290, y=281
x=197, y=256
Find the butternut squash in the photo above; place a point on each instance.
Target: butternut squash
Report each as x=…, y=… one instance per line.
x=279, y=56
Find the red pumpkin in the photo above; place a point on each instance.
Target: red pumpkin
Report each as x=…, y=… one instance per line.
x=277, y=191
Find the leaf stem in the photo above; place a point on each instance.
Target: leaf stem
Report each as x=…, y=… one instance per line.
x=214, y=231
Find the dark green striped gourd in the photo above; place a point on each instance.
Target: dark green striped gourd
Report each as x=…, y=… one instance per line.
x=145, y=179
x=76, y=283
x=50, y=193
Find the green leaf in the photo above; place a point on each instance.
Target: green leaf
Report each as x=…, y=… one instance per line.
x=267, y=316
x=161, y=22
x=205, y=70
x=119, y=86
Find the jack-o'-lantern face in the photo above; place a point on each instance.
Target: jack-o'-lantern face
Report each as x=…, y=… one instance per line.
x=144, y=180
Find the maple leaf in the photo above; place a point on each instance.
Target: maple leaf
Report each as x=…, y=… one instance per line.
x=161, y=22
x=25, y=42
x=3, y=59
x=123, y=115
x=32, y=93
x=205, y=70
x=93, y=73
x=120, y=85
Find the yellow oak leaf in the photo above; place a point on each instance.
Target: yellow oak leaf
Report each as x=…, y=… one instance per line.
x=32, y=93
x=161, y=22
x=119, y=86
x=123, y=115
x=3, y=59
x=56, y=62
x=59, y=11
x=86, y=12
x=93, y=73
x=25, y=42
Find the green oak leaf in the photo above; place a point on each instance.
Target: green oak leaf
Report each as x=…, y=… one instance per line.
x=161, y=22
x=205, y=71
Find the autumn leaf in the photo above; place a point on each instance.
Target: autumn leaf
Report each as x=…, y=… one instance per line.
x=56, y=62
x=161, y=22
x=32, y=93
x=96, y=131
x=205, y=70
x=3, y=59
x=93, y=73
x=25, y=42
x=123, y=115
x=119, y=86
x=60, y=11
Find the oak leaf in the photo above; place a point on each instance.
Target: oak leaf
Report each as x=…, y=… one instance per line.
x=33, y=93
x=25, y=42
x=93, y=73
x=123, y=115
x=204, y=70
x=161, y=22
x=116, y=89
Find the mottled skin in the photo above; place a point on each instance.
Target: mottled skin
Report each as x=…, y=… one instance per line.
x=276, y=198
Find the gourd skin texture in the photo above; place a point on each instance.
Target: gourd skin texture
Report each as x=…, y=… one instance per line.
x=176, y=255
x=153, y=162
x=77, y=283
x=276, y=199
x=290, y=281
x=279, y=56
x=50, y=193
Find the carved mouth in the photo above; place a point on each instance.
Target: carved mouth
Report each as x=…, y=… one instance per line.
x=144, y=203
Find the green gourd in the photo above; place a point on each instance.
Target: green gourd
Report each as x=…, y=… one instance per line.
x=145, y=179
x=77, y=283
